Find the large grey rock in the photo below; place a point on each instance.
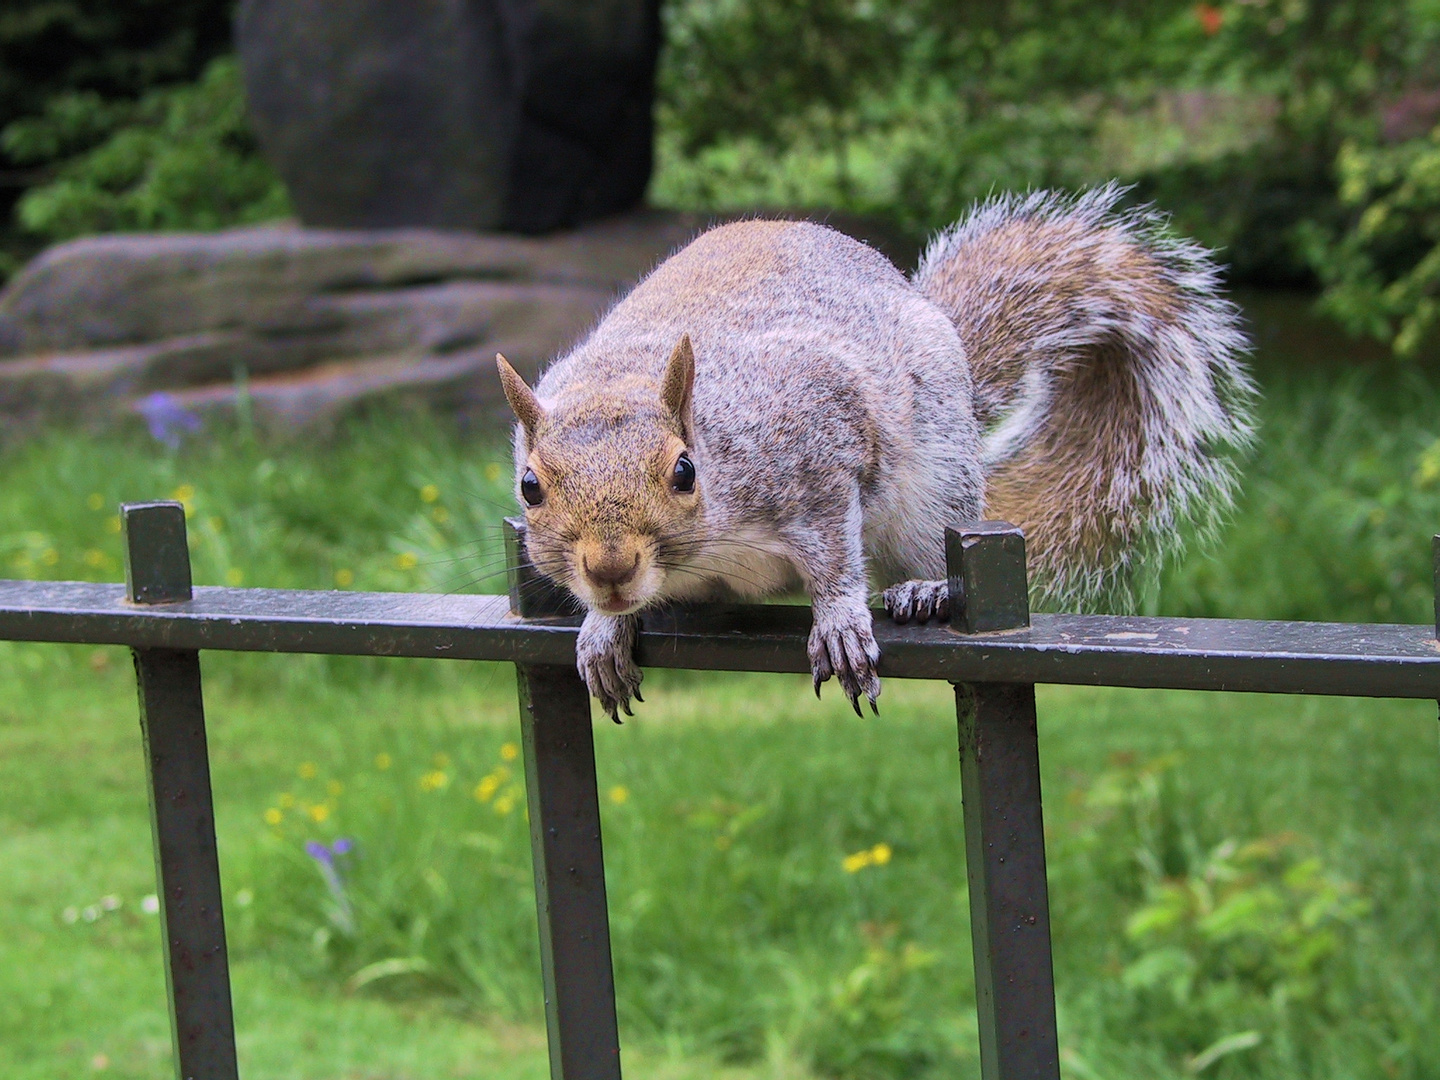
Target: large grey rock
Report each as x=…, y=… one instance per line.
x=524, y=115
x=304, y=324
x=310, y=320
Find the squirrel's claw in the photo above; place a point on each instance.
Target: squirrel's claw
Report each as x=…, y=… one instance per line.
x=604, y=656
x=918, y=600
x=845, y=647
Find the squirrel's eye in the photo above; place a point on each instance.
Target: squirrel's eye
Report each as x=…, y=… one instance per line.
x=683, y=478
x=530, y=488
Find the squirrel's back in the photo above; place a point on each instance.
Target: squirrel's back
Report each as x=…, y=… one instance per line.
x=1054, y=362
x=817, y=363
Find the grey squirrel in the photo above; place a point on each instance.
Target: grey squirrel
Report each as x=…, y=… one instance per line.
x=777, y=407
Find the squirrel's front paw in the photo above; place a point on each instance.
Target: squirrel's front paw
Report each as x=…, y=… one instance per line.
x=918, y=600
x=842, y=644
x=605, y=658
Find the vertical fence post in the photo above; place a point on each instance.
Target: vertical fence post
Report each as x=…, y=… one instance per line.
x=172, y=720
x=565, y=844
x=1004, y=828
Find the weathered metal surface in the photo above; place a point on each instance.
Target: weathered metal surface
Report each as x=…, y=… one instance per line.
x=986, y=562
x=172, y=721
x=1198, y=654
x=157, y=554
x=565, y=843
x=1009, y=899
x=1004, y=825
x=1435, y=550
x=569, y=874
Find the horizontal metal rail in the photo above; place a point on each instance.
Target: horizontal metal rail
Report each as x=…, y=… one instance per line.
x=1363, y=660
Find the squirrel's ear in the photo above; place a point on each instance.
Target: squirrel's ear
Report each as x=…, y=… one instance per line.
x=679, y=382
x=528, y=409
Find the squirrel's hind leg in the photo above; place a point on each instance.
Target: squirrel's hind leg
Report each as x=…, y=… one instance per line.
x=918, y=601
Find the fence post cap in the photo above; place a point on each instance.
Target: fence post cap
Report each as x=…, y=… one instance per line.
x=157, y=554
x=985, y=562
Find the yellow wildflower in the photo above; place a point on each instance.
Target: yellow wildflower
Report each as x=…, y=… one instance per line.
x=183, y=493
x=509, y=752
x=319, y=812
x=505, y=803
x=96, y=558
x=234, y=576
x=344, y=577
x=619, y=794
x=429, y=493
x=492, y=472
x=95, y=500
x=308, y=770
x=433, y=781
x=382, y=761
x=50, y=557
x=112, y=524
x=273, y=816
x=287, y=801
x=853, y=864
x=406, y=560
x=879, y=855
x=485, y=790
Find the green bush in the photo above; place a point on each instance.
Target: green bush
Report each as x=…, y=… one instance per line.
x=1226, y=946
x=101, y=50
x=181, y=157
x=1382, y=273
x=1230, y=115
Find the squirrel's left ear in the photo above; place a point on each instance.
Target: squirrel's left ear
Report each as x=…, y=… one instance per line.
x=528, y=409
x=678, y=386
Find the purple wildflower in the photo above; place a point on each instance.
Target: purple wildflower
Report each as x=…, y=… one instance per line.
x=167, y=418
x=342, y=914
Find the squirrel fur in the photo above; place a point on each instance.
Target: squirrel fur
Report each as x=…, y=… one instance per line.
x=777, y=407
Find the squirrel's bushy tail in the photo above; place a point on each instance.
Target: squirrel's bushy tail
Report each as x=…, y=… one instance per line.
x=1109, y=379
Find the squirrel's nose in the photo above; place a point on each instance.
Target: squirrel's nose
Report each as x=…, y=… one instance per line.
x=611, y=570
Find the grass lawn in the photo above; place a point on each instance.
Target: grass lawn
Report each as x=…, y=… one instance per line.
x=81, y=996
x=1241, y=886
x=1359, y=780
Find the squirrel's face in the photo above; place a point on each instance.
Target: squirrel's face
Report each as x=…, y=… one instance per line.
x=610, y=486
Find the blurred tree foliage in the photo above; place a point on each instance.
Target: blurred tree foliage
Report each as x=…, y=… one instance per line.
x=1230, y=115
x=1264, y=126
x=113, y=49
x=182, y=157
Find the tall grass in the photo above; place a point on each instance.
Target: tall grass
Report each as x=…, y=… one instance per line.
x=1242, y=887
x=1337, y=510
